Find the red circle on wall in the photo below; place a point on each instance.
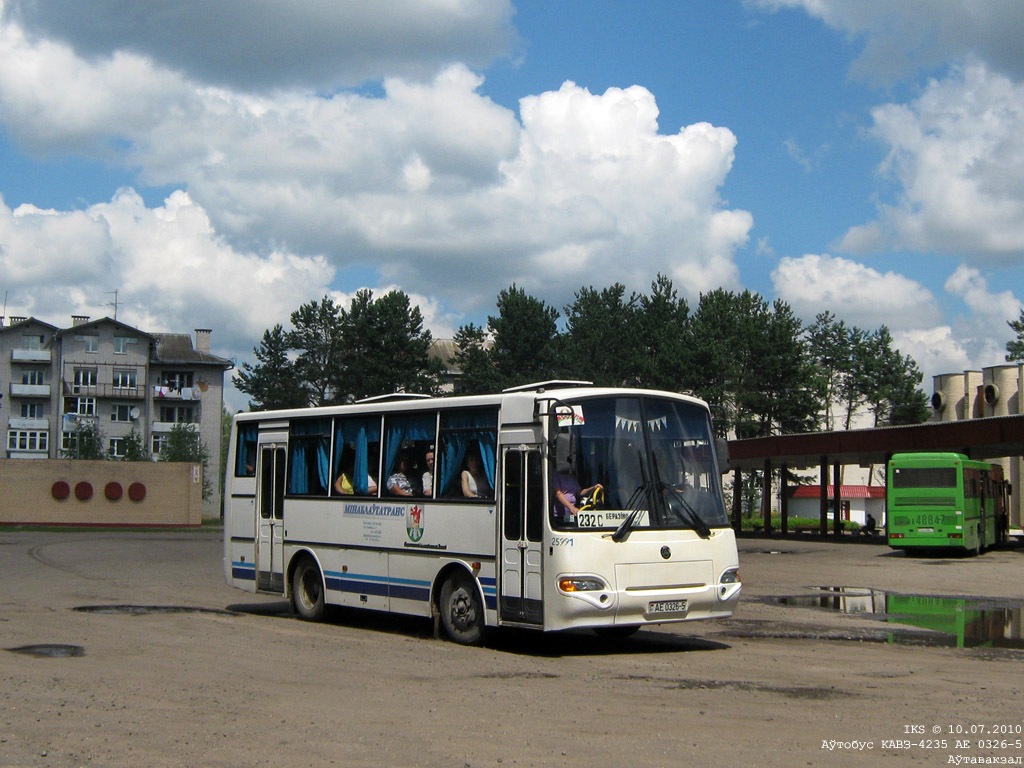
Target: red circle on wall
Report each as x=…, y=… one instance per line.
x=136, y=491
x=83, y=491
x=60, y=490
x=113, y=490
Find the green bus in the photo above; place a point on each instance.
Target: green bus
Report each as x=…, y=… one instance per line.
x=945, y=501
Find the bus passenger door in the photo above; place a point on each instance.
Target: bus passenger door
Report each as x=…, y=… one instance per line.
x=522, y=525
x=270, y=519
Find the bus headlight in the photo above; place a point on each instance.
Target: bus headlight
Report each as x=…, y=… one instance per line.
x=581, y=584
x=731, y=576
x=590, y=589
x=729, y=584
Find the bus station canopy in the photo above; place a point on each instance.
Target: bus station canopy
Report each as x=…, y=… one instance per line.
x=988, y=438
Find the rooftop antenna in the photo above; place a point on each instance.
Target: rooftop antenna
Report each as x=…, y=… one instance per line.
x=113, y=303
x=4, y=315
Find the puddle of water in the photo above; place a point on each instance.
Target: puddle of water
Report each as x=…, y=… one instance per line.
x=962, y=622
x=49, y=650
x=145, y=610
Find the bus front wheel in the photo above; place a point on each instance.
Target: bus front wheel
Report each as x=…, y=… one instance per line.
x=461, y=611
x=308, y=590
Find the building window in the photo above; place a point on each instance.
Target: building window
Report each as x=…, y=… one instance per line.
x=85, y=377
x=159, y=443
x=117, y=447
x=177, y=379
x=121, y=344
x=33, y=377
x=178, y=414
x=28, y=440
x=121, y=412
x=91, y=341
x=125, y=379
x=31, y=410
x=32, y=341
x=83, y=406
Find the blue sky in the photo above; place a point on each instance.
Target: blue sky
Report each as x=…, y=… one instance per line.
x=220, y=164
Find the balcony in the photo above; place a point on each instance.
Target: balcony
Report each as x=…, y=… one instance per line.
x=30, y=390
x=31, y=355
x=18, y=422
x=72, y=421
x=175, y=393
x=167, y=426
x=18, y=453
x=104, y=390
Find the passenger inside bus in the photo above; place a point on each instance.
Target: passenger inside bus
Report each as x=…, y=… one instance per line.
x=400, y=483
x=428, y=475
x=475, y=484
x=343, y=484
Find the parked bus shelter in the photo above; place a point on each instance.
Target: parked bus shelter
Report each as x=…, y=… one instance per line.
x=988, y=438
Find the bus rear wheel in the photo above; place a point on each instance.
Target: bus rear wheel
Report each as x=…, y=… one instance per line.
x=308, y=590
x=461, y=611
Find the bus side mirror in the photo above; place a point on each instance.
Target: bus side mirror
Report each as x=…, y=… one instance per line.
x=722, y=451
x=564, y=458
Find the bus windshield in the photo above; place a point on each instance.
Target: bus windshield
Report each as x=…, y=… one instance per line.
x=647, y=459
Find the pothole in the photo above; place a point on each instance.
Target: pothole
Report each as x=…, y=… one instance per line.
x=49, y=650
x=960, y=621
x=146, y=610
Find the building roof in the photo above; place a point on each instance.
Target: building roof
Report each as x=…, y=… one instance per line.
x=177, y=348
x=845, y=492
x=103, y=321
x=23, y=322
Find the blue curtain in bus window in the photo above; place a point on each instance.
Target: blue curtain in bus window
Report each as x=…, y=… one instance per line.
x=399, y=428
x=358, y=433
x=245, y=451
x=467, y=428
x=298, y=481
x=309, y=443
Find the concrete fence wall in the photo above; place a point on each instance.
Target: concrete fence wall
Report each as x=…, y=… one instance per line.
x=60, y=492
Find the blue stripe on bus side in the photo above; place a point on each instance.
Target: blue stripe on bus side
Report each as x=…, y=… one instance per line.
x=367, y=584
x=403, y=589
x=243, y=571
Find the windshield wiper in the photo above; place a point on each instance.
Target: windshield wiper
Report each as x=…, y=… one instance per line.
x=642, y=490
x=691, y=517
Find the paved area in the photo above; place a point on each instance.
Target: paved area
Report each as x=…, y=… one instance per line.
x=149, y=659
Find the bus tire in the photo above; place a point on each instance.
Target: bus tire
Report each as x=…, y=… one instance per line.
x=461, y=612
x=308, y=590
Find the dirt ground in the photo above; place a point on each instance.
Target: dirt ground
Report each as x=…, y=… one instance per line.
x=232, y=680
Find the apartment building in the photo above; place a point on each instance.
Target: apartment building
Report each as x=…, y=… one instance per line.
x=109, y=373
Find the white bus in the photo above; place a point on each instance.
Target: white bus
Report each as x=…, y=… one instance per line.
x=550, y=506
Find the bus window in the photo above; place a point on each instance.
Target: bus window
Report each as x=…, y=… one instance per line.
x=466, y=443
x=409, y=438
x=245, y=450
x=308, y=457
x=924, y=477
x=356, y=456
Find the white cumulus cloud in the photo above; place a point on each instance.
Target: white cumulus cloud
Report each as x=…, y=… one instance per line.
x=957, y=153
x=170, y=270
x=856, y=293
x=426, y=181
